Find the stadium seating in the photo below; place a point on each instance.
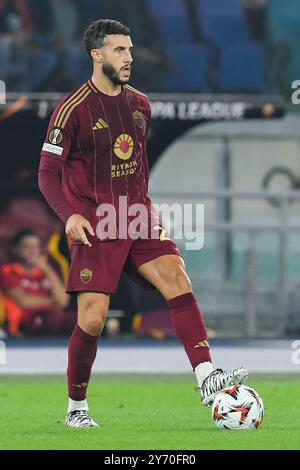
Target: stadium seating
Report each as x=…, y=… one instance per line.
x=220, y=6
x=172, y=20
x=283, y=22
x=242, y=68
x=190, y=68
x=283, y=36
x=223, y=22
x=294, y=67
x=241, y=64
x=167, y=7
x=225, y=29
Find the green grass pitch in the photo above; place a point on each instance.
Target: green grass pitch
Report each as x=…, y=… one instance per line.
x=142, y=411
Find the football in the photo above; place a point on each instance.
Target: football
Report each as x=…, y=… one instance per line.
x=238, y=407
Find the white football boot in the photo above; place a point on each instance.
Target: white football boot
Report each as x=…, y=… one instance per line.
x=219, y=379
x=80, y=419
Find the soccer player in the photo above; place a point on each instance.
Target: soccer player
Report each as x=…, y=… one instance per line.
x=97, y=140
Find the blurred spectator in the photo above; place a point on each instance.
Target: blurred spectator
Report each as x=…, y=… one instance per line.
x=42, y=16
x=256, y=14
x=41, y=43
x=66, y=19
x=112, y=328
x=89, y=11
x=192, y=15
x=73, y=66
x=152, y=65
x=15, y=10
x=34, y=296
x=26, y=63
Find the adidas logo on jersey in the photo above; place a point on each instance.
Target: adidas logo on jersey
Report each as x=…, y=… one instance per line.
x=100, y=124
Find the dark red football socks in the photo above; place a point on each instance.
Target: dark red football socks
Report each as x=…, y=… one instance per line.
x=190, y=329
x=81, y=356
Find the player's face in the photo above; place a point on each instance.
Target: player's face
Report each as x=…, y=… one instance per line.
x=29, y=249
x=117, y=58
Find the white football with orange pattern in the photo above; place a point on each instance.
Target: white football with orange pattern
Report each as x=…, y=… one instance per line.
x=238, y=407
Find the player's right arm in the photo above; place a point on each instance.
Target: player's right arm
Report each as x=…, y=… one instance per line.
x=61, y=132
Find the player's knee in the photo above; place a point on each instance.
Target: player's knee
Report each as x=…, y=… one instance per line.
x=178, y=283
x=94, y=326
x=94, y=318
x=182, y=283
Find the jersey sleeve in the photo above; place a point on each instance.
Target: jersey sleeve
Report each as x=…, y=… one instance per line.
x=62, y=131
x=50, y=186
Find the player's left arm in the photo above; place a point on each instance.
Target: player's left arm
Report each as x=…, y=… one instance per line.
x=54, y=155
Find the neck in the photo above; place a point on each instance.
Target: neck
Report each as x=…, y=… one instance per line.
x=104, y=84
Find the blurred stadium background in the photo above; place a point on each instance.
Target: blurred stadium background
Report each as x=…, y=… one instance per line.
x=224, y=133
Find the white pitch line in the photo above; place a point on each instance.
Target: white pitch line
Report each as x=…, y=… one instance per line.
x=149, y=359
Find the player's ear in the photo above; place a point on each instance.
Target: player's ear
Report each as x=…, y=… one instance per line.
x=97, y=55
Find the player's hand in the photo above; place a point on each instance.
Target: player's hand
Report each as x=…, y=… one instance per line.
x=75, y=229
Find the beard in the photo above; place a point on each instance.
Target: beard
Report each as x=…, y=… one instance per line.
x=113, y=75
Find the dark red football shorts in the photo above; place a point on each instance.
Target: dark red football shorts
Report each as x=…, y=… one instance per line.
x=98, y=268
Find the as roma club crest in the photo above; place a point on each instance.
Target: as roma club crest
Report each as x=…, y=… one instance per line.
x=138, y=118
x=86, y=275
x=55, y=136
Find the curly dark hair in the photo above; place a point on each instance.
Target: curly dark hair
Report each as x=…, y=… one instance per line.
x=96, y=32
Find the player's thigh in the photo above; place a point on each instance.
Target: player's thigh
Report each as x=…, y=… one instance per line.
x=167, y=273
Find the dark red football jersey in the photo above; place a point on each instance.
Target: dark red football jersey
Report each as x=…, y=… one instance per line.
x=99, y=143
